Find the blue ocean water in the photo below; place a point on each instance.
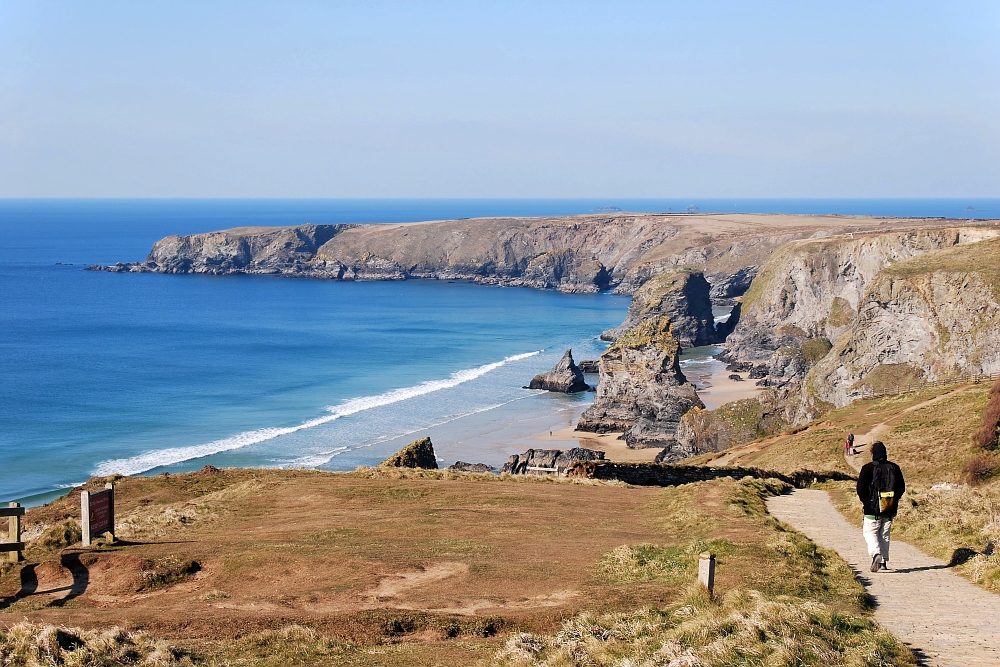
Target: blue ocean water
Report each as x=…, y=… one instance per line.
x=140, y=373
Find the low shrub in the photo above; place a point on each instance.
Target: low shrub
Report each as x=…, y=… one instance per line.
x=988, y=435
x=980, y=469
x=42, y=644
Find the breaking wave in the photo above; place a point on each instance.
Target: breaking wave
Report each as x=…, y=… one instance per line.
x=163, y=457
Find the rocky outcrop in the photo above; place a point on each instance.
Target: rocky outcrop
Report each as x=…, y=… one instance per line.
x=417, y=454
x=681, y=296
x=590, y=366
x=728, y=287
x=809, y=294
x=565, y=377
x=589, y=253
x=642, y=391
x=733, y=424
x=929, y=318
x=462, y=466
x=548, y=461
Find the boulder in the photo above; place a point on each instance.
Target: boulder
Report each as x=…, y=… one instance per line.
x=543, y=461
x=418, y=454
x=565, y=377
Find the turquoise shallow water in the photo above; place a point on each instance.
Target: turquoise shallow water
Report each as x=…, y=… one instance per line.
x=139, y=373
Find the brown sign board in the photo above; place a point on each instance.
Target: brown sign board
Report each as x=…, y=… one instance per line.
x=98, y=513
x=101, y=512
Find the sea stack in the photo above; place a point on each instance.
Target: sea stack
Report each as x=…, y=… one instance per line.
x=418, y=454
x=565, y=377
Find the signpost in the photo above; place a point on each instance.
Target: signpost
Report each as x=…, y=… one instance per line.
x=97, y=512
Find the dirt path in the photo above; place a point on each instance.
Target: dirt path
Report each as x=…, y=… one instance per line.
x=877, y=431
x=943, y=618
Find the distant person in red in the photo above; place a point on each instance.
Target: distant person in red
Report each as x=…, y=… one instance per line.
x=880, y=486
x=849, y=445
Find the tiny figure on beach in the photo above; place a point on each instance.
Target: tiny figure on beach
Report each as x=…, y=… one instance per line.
x=849, y=445
x=880, y=486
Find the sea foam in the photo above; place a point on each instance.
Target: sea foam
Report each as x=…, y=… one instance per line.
x=162, y=457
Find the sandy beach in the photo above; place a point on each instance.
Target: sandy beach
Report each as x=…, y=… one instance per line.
x=714, y=387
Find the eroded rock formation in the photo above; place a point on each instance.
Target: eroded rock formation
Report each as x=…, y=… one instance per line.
x=546, y=461
x=642, y=391
x=417, y=454
x=565, y=377
x=683, y=297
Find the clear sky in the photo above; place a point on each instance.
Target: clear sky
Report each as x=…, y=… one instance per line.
x=500, y=99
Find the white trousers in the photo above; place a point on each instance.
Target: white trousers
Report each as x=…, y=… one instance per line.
x=876, y=532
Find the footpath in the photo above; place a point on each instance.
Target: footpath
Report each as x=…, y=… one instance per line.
x=945, y=620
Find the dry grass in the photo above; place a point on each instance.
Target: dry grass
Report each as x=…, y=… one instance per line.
x=745, y=627
x=43, y=645
x=411, y=567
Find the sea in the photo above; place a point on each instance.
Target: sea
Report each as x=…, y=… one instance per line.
x=104, y=373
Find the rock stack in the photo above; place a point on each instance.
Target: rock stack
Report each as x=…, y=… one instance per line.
x=418, y=454
x=565, y=377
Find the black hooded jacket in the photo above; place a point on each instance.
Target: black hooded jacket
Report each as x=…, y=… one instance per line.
x=865, y=483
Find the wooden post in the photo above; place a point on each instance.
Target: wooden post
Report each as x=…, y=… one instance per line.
x=85, y=517
x=14, y=534
x=706, y=571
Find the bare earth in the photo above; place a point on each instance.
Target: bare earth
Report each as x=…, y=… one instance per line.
x=945, y=619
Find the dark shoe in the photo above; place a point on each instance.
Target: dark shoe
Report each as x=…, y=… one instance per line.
x=876, y=562
x=885, y=565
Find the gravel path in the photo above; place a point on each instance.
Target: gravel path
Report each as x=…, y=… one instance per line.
x=943, y=618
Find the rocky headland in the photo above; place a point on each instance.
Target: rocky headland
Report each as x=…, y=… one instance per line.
x=587, y=253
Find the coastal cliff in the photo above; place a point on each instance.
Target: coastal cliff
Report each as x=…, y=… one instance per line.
x=929, y=318
x=827, y=322
x=587, y=253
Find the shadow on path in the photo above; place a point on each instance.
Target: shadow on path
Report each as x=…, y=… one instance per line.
x=81, y=578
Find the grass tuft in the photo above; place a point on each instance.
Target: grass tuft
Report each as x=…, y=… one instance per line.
x=42, y=644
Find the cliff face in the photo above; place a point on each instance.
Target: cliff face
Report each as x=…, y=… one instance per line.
x=811, y=291
x=929, y=318
x=574, y=254
x=684, y=298
x=642, y=391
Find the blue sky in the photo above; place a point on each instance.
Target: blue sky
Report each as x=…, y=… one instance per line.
x=500, y=99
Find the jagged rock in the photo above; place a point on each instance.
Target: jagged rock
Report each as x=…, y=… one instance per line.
x=565, y=377
x=682, y=296
x=642, y=391
x=462, y=466
x=417, y=454
x=548, y=460
x=726, y=288
x=735, y=378
x=589, y=366
x=568, y=271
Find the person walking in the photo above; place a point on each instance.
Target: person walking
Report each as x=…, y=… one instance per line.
x=880, y=486
x=849, y=445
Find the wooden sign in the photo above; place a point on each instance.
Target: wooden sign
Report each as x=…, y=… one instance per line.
x=97, y=512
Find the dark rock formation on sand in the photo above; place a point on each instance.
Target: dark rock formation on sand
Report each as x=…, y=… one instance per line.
x=682, y=296
x=642, y=391
x=565, y=377
x=462, y=466
x=417, y=454
x=547, y=460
